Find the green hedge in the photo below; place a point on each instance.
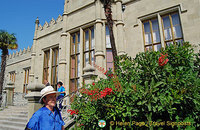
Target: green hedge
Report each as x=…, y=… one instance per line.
x=153, y=90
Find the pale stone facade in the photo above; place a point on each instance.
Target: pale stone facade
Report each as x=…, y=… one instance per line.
x=79, y=15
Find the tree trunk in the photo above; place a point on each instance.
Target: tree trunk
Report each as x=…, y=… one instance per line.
x=108, y=14
x=3, y=67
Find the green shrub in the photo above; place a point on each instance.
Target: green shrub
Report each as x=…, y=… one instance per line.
x=153, y=90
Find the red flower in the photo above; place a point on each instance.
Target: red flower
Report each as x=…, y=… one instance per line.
x=106, y=72
x=106, y=91
x=93, y=83
x=162, y=60
x=72, y=112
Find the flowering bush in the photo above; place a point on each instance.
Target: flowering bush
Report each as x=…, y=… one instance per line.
x=153, y=87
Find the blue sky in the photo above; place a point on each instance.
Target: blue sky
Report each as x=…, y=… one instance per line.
x=18, y=17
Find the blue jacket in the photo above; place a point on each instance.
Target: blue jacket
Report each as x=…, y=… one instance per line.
x=44, y=119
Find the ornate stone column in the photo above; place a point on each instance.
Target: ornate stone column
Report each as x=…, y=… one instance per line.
x=99, y=50
x=33, y=97
x=10, y=93
x=120, y=26
x=89, y=74
x=33, y=52
x=62, y=58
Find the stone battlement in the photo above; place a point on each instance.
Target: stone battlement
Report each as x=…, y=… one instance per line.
x=21, y=52
x=51, y=23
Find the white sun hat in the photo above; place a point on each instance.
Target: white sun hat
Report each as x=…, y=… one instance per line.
x=46, y=91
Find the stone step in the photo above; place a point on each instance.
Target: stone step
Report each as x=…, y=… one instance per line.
x=14, y=115
x=16, y=109
x=16, y=119
x=9, y=127
x=13, y=123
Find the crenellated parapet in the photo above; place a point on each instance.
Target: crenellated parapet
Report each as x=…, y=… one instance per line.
x=52, y=23
x=19, y=53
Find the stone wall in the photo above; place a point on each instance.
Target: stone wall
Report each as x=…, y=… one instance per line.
x=16, y=63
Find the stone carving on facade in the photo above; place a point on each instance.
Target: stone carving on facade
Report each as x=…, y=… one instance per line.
x=28, y=49
x=52, y=22
x=59, y=19
x=46, y=25
x=40, y=27
x=24, y=51
x=20, y=52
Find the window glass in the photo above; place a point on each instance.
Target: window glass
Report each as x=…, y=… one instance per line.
x=78, y=44
x=157, y=47
x=109, y=59
x=147, y=31
x=149, y=48
x=72, y=66
x=87, y=58
x=175, y=19
x=108, y=44
x=167, y=28
x=73, y=45
x=78, y=65
x=92, y=38
x=156, y=34
x=86, y=40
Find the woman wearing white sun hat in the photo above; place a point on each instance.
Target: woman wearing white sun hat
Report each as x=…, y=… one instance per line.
x=48, y=117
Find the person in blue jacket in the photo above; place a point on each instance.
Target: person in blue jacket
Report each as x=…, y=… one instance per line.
x=48, y=117
x=61, y=89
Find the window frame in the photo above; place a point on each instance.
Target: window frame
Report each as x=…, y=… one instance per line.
x=171, y=26
x=152, y=44
x=46, y=75
x=107, y=48
x=26, y=80
x=159, y=16
x=90, y=50
x=54, y=78
x=75, y=54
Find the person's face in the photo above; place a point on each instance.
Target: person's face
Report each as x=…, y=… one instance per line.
x=50, y=100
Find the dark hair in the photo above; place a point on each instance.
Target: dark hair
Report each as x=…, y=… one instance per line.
x=60, y=83
x=42, y=100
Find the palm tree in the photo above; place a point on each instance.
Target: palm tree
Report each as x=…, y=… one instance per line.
x=108, y=14
x=7, y=41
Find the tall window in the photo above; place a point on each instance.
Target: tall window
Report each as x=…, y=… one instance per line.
x=75, y=62
x=26, y=80
x=46, y=65
x=88, y=46
x=152, y=35
x=109, y=56
x=54, y=68
x=171, y=28
x=12, y=76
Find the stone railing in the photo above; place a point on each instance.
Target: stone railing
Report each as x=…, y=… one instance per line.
x=89, y=76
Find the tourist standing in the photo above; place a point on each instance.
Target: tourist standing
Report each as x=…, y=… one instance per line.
x=61, y=89
x=48, y=117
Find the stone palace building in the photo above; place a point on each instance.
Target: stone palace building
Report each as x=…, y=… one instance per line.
x=62, y=47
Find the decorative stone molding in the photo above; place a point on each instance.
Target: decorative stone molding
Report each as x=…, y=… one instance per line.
x=99, y=21
x=99, y=53
x=119, y=23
